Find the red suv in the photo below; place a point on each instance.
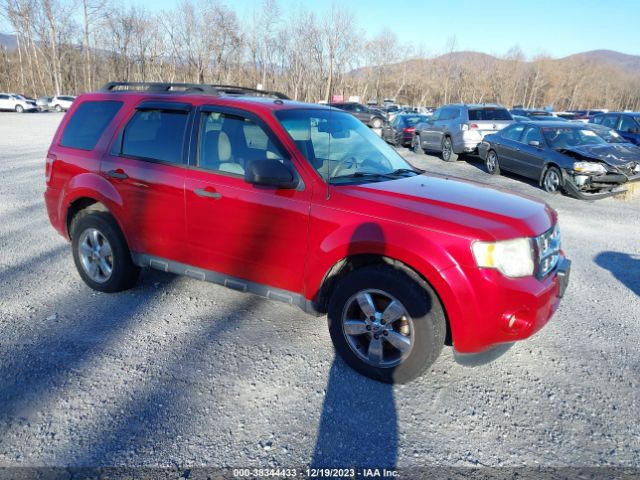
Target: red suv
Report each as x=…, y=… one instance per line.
x=304, y=204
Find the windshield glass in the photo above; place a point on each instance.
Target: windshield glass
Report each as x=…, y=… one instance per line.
x=564, y=137
x=341, y=148
x=413, y=120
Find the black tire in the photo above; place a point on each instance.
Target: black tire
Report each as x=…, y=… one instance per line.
x=124, y=272
x=448, y=155
x=376, y=122
x=19, y=109
x=552, y=181
x=426, y=322
x=492, y=163
x=58, y=108
x=416, y=144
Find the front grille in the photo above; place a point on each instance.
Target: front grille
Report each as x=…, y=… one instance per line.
x=547, y=251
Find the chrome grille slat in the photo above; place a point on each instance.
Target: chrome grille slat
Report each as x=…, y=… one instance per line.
x=548, y=250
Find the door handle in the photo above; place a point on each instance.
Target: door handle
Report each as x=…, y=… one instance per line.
x=517, y=149
x=119, y=174
x=201, y=192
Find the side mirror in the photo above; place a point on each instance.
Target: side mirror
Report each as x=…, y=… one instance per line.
x=534, y=143
x=269, y=173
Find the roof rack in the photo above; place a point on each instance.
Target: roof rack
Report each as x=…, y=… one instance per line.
x=171, y=87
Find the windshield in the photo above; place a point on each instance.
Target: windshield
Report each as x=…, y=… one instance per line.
x=413, y=120
x=341, y=148
x=564, y=137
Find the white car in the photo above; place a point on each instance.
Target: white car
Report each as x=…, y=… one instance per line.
x=61, y=103
x=16, y=103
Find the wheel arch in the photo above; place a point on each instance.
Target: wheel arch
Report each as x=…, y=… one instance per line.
x=350, y=263
x=546, y=167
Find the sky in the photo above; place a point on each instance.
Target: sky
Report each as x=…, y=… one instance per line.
x=553, y=27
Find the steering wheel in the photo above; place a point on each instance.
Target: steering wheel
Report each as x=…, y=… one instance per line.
x=342, y=165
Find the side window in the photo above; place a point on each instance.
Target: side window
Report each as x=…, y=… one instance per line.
x=627, y=124
x=4, y=97
x=155, y=135
x=610, y=121
x=532, y=134
x=598, y=119
x=436, y=115
x=227, y=142
x=513, y=132
x=88, y=123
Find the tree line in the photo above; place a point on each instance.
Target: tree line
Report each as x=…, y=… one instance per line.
x=74, y=46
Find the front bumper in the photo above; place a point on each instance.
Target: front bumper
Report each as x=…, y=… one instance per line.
x=606, y=185
x=502, y=310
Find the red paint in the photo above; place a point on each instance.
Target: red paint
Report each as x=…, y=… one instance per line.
x=290, y=239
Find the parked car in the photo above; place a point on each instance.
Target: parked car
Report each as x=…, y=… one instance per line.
x=586, y=115
x=546, y=118
x=44, y=103
x=610, y=135
x=400, y=131
x=527, y=112
x=562, y=156
x=61, y=103
x=626, y=124
x=519, y=118
x=373, y=119
x=16, y=103
x=300, y=203
x=459, y=128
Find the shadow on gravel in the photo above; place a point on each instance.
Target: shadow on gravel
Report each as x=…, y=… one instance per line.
x=623, y=266
x=62, y=344
x=358, y=425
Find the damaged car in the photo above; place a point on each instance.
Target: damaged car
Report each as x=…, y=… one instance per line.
x=562, y=157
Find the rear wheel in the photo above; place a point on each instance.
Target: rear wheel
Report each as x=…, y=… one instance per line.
x=492, y=164
x=552, y=180
x=447, y=150
x=101, y=254
x=386, y=324
x=58, y=108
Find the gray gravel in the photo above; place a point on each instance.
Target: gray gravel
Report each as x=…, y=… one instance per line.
x=178, y=372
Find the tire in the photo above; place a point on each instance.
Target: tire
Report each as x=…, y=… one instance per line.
x=492, y=163
x=376, y=123
x=58, y=108
x=552, y=181
x=91, y=234
x=419, y=326
x=19, y=109
x=416, y=144
x=448, y=154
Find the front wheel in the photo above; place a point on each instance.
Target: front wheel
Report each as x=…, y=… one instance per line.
x=101, y=254
x=19, y=109
x=492, y=164
x=552, y=180
x=58, y=108
x=416, y=144
x=386, y=323
x=376, y=123
x=448, y=154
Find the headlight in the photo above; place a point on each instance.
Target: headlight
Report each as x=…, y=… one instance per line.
x=513, y=258
x=589, y=167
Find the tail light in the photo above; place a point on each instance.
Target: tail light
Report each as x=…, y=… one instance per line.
x=409, y=130
x=473, y=125
x=49, y=166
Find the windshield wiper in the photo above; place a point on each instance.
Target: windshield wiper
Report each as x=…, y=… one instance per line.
x=364, y=175
x=400, y=171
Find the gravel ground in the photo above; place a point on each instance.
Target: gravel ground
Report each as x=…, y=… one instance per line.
x=181, y=373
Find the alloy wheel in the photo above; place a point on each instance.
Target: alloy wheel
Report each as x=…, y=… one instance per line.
x=96, y=255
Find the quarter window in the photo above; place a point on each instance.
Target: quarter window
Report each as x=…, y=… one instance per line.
x=88, y=123
x=155, y=135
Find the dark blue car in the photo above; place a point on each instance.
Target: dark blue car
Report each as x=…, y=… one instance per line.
x=563, y=157
x=626, y=124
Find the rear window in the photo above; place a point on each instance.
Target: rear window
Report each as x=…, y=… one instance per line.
x=489, y=114
x=88, y=123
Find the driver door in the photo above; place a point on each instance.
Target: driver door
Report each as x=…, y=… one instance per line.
x=235, y=228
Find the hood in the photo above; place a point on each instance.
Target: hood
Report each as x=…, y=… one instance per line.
x=457, y=206
x=616, y=155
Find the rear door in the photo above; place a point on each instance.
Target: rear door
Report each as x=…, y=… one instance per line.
x=528, y=159
x=235, y=228
x=507, y=145
x=146, y=165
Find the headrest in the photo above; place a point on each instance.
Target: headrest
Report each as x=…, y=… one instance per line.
x=224, y=147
